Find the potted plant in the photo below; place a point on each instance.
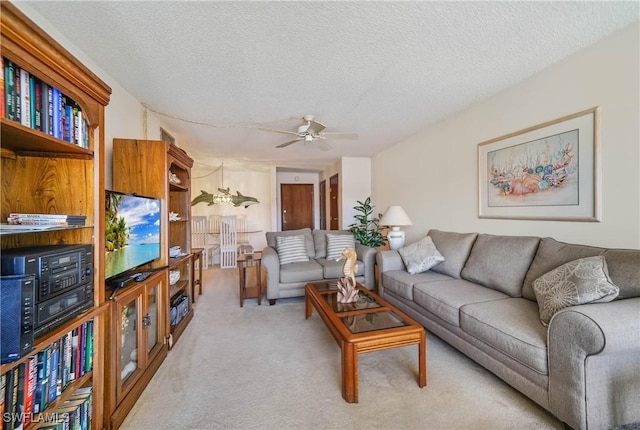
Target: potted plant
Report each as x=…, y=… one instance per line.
x=366, y=230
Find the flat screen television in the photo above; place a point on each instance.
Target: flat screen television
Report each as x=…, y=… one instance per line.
x=132, y=232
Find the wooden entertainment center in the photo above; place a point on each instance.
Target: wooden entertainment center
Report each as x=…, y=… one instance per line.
x=56, y=174
x=126, y=333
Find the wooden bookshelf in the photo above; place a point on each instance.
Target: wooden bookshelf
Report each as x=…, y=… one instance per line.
x=45, y=174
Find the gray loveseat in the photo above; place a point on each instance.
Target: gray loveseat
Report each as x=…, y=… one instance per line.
x=288, y=280
x=584, y=367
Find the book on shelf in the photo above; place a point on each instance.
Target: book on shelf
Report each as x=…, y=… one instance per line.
x=25, y=107
x=36, y=103
x=45, y=219
x=10, y=89
x=17, y=99
x=11, y=399
x=2, y=94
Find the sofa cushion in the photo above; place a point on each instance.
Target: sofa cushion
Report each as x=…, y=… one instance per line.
x=332, y=269
x=306, y=232
x=444, y=298
x=624, y=271
x=512, y=326
x=401, y=282
x=320, y=240
x=336, y=243
x=577, y=282
x=420, y=256
x=500, y=262
x=301, y=272
x=552, y=254
x=291, y=249
x=455, y=247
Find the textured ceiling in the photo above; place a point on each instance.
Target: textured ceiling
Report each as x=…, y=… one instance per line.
x=384, y=70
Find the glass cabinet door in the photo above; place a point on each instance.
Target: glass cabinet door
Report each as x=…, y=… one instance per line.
x=128, y=313
x=151, y=317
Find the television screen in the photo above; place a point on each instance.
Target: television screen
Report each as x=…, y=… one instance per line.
x=132, y=229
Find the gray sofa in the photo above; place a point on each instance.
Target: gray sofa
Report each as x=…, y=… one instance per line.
x=288, y=280
x=584, y=367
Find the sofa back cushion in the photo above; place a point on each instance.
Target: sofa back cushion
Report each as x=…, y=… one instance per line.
x=550, y=255
x=455, y=247
x=320, y=240
x=500, y=262
x=624, y=270
x=306, y=232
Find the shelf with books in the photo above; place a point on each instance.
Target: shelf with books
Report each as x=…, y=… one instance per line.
x=34, y=103
x=43, y=380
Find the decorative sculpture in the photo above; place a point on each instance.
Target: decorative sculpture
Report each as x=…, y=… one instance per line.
x=347, y=291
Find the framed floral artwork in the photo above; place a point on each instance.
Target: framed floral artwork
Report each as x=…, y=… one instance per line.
x=550, y=171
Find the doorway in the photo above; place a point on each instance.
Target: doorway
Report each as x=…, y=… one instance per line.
x=296, y=211
x=333, y=203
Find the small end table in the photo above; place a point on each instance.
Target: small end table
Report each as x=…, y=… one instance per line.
x=250, y=260
x=196, y=255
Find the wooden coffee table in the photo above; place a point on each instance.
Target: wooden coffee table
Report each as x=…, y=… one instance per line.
x=370, y=324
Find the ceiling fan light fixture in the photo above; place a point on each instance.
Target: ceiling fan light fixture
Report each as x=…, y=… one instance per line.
x=308, y=137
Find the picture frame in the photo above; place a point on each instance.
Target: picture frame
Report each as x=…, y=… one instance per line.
x=550, y=171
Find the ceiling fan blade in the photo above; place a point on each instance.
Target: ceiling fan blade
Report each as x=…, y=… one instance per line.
x=339, y=135
x=278, y=131
x=322, y=145
x=282, y=145
x=315, y=127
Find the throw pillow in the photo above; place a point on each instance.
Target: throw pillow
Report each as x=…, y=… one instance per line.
x=581, y=281
x=420, y=256
x=292, y=249
x=336, y=243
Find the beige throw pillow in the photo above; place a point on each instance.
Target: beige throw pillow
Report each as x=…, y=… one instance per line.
x=420, y=256
x=581, y=281
x=336, y=243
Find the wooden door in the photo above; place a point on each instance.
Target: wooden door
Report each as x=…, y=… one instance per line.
x=333, y=204
x=323, y=204
x=296, y=210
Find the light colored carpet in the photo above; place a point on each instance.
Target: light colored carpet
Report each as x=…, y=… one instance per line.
x=266, y=367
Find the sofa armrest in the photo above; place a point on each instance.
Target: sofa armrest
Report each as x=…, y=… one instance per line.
x=271, y=263
x=367, y=255
x=389, y=260
x=594, y=357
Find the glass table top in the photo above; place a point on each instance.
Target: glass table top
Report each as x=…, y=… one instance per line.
x=371, y=321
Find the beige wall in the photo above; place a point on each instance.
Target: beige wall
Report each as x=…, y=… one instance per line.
x=433, y=174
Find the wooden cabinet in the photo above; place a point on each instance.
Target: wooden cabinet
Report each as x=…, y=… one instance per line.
x=160, y=169
x=137, y=343
x=47, y=175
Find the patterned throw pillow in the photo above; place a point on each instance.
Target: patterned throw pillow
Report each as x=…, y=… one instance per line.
x=291, y=249
x=420, y=256
x=336, y=243
x=581, y=281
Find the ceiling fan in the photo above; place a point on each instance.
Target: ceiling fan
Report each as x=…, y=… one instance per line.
x=312, y=132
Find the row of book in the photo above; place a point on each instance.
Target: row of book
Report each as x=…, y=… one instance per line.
x=45, y=219
x=38, y=105
x=31, y=386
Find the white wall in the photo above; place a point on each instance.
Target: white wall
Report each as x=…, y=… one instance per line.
x=433, y=174
x=355, y=185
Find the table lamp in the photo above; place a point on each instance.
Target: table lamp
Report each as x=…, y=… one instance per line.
x=395, y=217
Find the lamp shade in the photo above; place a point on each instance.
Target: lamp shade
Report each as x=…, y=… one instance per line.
x=395, y=216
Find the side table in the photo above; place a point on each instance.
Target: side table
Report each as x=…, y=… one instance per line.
x=250, y=260
x=196, y=255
